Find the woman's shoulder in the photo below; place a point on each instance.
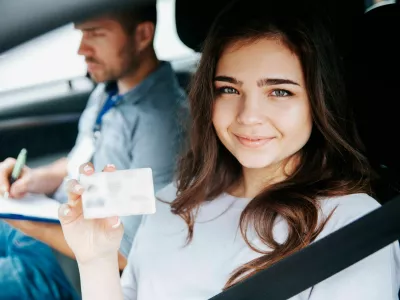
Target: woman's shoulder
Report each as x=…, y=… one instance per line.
x=380, y=270
x=352, y=204
x=346, y=209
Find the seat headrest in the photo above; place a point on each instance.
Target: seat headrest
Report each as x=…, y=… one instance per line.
x=194, y=18
x=375, y=84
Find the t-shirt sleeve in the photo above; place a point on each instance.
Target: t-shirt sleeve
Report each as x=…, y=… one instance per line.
x=373, y=278
x=128, y=280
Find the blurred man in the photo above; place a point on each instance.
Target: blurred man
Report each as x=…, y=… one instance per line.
x=131, y=121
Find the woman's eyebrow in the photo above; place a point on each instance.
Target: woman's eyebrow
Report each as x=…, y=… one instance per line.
x=228, y=79
x=260, y=83
x=275, y=81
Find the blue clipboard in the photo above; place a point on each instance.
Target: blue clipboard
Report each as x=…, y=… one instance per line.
x=37, y=208
x=28, y=218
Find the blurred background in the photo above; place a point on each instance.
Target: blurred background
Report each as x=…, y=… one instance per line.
x=53, y=57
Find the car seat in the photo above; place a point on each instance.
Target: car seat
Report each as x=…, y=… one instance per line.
x=374, y=89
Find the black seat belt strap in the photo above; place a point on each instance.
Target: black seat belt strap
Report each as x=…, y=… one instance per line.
x=323, y=258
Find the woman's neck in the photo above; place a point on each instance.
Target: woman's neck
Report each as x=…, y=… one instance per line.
x=254, y=181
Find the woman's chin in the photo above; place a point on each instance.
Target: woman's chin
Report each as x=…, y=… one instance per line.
x=255, y=162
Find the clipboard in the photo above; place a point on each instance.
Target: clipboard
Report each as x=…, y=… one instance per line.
x=33, y=207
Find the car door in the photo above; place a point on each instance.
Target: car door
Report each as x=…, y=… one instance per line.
x=44, y=120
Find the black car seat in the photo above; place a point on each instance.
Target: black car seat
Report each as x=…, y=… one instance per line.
x=194, y=18
x=374, y=88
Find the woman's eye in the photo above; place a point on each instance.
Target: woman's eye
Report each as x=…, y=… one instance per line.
x=227, y=90
x=281, y=93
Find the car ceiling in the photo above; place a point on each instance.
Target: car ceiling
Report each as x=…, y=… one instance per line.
x=23, y=20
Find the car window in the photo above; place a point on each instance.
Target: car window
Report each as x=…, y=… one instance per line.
x=52, y=57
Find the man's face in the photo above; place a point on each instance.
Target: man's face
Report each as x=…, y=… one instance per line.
x=109, y=51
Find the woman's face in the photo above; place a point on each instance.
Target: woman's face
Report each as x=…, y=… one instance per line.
x=262, y=111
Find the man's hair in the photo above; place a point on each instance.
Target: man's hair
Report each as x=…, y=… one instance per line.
x=131, y=17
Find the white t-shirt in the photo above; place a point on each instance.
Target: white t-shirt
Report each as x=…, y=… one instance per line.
x=160, y=267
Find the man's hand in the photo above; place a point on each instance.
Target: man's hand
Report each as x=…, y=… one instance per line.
x=44, y=180
x=22, y=186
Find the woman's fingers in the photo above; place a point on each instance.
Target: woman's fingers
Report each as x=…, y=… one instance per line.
x=109, y=168
x=113, y=227
x=86, y=169
x=68, y=214
x=73, y=209
x=74, y=192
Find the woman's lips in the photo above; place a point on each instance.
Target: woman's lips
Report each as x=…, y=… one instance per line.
x=253, y=141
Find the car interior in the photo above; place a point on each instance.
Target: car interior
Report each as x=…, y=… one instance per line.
x=44, y=118
x=375, y=61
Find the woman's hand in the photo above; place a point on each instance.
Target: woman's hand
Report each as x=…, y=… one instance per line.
x=89, y=239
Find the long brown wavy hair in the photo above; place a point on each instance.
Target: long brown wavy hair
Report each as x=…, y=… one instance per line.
x=331, y=163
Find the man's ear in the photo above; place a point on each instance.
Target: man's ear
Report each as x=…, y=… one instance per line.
x=144, y=35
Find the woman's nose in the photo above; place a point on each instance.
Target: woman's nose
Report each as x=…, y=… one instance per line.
x=251, y=112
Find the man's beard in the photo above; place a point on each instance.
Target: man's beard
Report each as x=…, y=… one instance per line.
x=129, y=63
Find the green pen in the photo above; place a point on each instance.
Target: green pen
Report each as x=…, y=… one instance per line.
x=17, y=170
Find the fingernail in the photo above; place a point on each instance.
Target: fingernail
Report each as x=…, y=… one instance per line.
x=117, y=224
x=110, y=166
x=66, y=211
x=78, y=188
x=6, y=195
x=88, y=169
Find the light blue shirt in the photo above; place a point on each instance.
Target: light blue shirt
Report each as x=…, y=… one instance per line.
x=145, y=129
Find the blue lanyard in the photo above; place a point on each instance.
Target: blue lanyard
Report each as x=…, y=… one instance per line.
x=112, y=100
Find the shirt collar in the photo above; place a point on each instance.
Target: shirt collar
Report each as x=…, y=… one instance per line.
x=163, y=71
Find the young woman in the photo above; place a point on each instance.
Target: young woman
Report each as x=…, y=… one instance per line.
x=274, y=164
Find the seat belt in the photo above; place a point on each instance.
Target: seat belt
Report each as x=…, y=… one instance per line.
x=322, y=259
